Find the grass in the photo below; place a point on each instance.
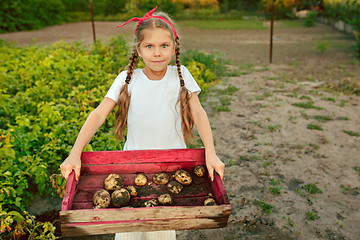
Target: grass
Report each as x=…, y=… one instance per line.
x=313, y=126
x=265, y=206
x=322, y=118
x=224, y=24
x=312, y=215
x=351, y=133
x=311, y=188
x=275, y=187
x=306, y=105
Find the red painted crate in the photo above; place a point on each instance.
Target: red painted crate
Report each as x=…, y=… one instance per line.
x=188, y=212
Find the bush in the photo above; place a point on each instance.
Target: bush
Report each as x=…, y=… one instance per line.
x=17, y=15
x=310, y=18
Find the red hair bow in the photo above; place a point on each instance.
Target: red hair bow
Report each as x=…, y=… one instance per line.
x=147, y=16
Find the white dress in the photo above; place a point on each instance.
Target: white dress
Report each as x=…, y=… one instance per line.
x=154, y=121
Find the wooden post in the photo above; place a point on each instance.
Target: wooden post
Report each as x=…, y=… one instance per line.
x=92, y=20
x=271, y=30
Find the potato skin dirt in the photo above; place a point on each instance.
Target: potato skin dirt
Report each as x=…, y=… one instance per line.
x=183, y=177
x=101, y=199
x=113, y=181
x=161, y=178
x=120, y=198
x=175, y=187
x=141, y=179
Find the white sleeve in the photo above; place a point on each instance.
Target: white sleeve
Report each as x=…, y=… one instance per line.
x=115, y=88
x=190, y=82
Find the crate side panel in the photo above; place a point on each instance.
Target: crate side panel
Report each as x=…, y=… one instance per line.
x=144, y=214
x=93, y=169
x=78, y=229
x=142, y=156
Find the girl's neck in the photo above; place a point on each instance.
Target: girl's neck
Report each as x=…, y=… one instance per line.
x=154, y=75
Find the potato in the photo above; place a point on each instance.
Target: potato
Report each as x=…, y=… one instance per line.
x=132, y=190
x=120, y=197
x=183, y=177
x=200, y=170
x=113, y=181
x=151, y=203
x=101, y=199
x=161, y=178
x=209, y=202
x=174, y=187
x=141, y=179
x=165, y=199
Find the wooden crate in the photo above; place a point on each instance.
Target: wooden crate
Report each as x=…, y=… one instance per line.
x=188, y=212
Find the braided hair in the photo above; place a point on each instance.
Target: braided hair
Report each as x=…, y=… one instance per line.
x=187, y=123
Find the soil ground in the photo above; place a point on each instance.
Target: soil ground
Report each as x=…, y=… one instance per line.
x=299, y=161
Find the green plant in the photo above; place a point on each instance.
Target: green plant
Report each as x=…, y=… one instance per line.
x=313, y=126
x=306, y=105
x=312, y=215
x=322, y=46
x=311, y=188
x=291, y=223
x=275, y=187
x=310, y=18
x=15, y=225
x=265, y=206
x=352, y=133
x=347, y=189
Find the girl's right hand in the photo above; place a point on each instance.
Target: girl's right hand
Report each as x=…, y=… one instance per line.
x=69, y=164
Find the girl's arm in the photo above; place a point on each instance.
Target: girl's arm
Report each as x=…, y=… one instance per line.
x=202, y=125
x=95, y=119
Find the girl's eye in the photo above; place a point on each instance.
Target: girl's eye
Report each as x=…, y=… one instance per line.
x=149, y=46
x=164, y=46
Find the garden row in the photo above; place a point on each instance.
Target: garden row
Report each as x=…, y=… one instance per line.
x=46, y=94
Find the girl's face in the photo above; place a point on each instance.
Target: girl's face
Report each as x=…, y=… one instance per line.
x=156, y=49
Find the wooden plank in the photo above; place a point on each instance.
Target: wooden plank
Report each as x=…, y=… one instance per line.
x=142, y=156
x=138, y=202
x=80, y=229
x=218, y=189
x=70, y=192
x=93, y=169
x=129, y=214
x=97, y=180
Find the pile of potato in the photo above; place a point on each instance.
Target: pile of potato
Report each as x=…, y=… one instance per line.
x=121, y=196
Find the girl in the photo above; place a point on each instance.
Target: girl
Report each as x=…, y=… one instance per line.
x=158, y=104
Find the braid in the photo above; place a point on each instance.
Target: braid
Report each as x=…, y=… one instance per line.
x=124, y=99
x=177, y=52
x=187, y=122
x=132, y=64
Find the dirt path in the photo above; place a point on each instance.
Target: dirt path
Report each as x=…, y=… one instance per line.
x=293, y=158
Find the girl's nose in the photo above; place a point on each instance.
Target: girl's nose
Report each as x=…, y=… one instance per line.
x=157, y=51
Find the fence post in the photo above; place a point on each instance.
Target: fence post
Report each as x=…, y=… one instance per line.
x=92, y=20
x=271, y=30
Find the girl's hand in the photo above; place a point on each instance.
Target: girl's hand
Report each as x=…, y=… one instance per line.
x=69, y=164
x=213, y=162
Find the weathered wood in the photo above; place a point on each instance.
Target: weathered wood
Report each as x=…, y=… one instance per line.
x=129, y=214
x=79, y=218
x=138, y=202
x=142, y=156
x=70, y=192
x=79, y=229
x=136, y=168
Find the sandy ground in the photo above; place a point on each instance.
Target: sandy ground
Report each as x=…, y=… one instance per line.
x=271, y=153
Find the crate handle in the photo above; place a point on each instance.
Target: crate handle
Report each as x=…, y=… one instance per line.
x=69, y=192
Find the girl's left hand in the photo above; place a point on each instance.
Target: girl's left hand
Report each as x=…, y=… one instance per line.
x=213, y=162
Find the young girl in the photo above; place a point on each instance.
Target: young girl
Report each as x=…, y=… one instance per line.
x=157, y=104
